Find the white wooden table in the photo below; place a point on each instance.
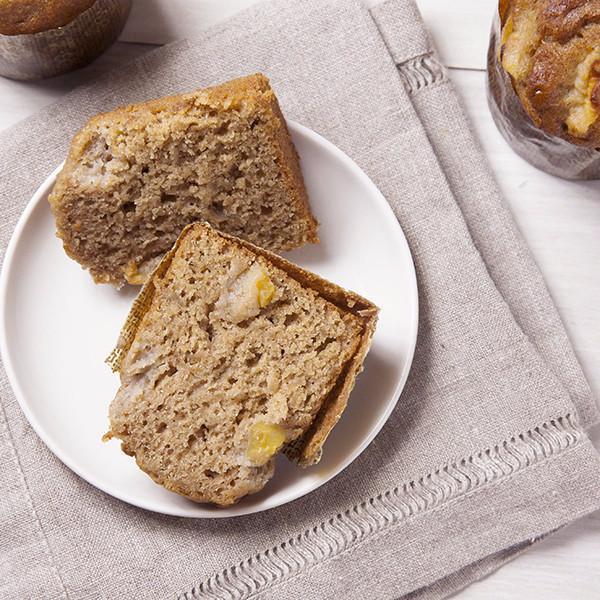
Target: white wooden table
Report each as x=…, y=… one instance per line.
x=560, y=220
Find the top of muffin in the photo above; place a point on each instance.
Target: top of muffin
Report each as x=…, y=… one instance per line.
x=32, y=16
x=551, y=50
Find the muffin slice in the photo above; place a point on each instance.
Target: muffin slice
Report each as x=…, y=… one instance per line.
x=229, y=354
x=136, y=176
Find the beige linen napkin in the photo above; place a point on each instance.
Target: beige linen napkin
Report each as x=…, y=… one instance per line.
x=486, y=450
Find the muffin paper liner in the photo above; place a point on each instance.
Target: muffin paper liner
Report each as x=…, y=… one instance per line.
x=59, y=50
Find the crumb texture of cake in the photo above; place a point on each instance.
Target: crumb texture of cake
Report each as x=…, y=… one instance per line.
x=233, y=353
x=136, y=176
x=551, y=50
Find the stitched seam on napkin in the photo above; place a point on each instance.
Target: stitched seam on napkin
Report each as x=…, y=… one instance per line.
x=377, y=515
x=418, y=582
x=29, y=500
x=422, y=71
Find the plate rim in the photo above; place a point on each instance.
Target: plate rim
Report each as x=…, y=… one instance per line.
x=64, y=457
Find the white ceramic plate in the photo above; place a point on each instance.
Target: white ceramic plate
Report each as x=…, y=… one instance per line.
x=57, y=327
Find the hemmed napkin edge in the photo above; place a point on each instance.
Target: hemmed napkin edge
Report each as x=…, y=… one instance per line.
x=377, y=516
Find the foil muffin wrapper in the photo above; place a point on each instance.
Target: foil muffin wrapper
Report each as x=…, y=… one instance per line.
x=56, y=51
x=541, y=149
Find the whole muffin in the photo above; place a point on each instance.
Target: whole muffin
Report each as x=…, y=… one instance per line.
x=43, y=38
x=551, y=50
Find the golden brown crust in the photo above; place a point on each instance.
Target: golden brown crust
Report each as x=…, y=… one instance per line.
x=32, y=16
x=503, y=8
x=291, y=167
x=551, y=48
x=306, y=451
